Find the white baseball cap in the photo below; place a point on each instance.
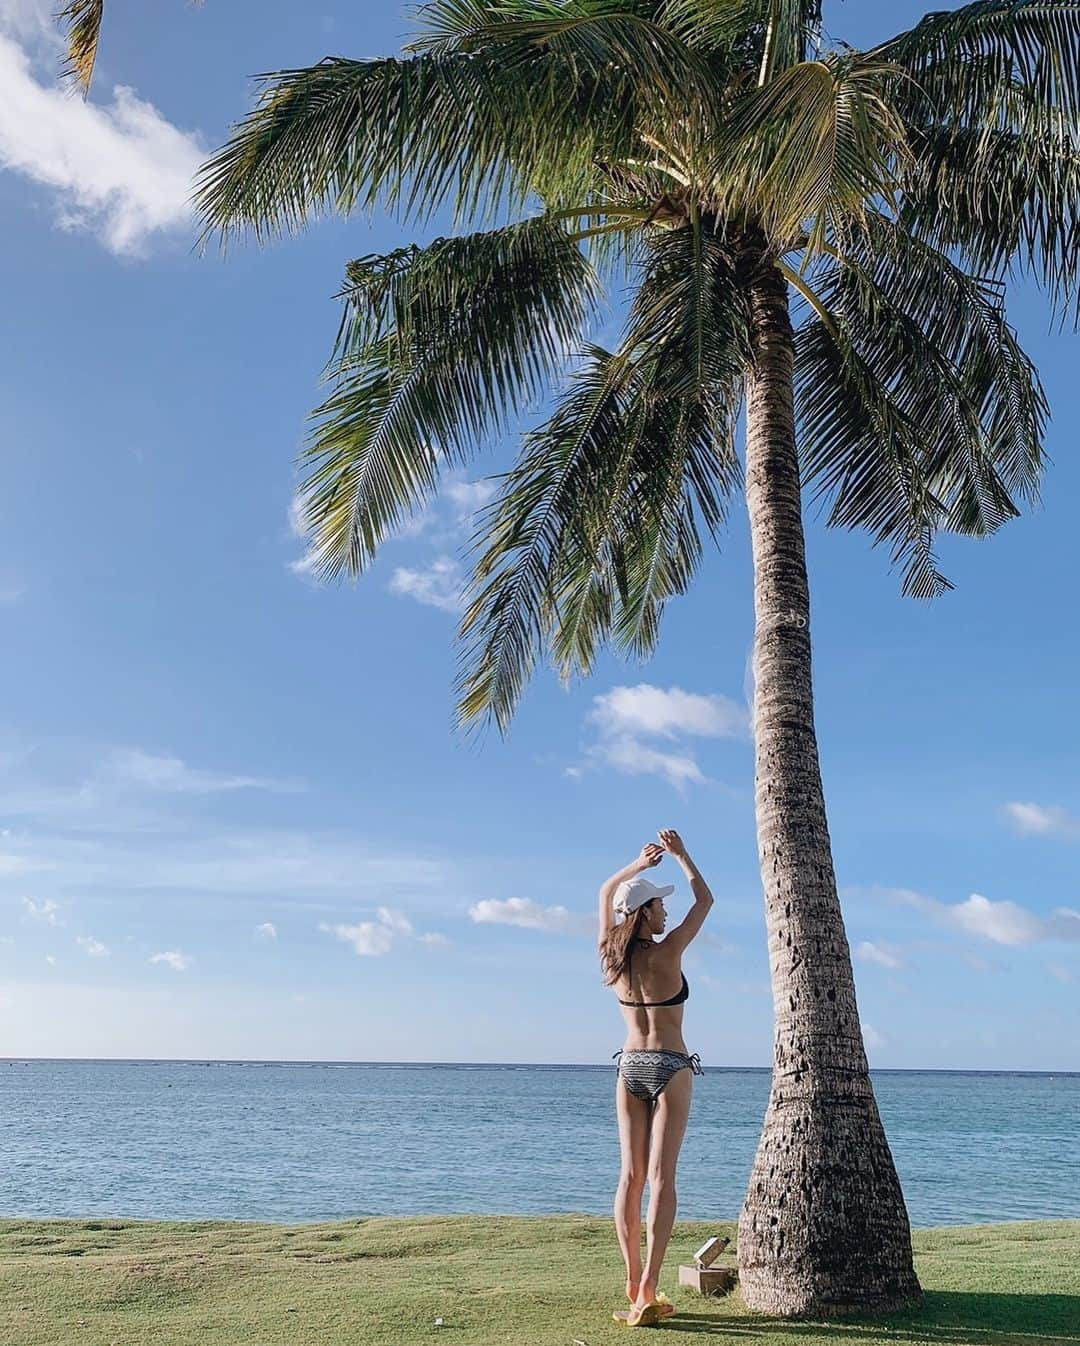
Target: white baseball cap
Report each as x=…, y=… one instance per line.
x=634, y=893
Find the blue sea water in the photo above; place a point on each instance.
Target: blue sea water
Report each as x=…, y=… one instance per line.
x=308, y=1141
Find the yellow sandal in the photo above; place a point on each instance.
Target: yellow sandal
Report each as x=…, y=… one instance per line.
x=648, y=1316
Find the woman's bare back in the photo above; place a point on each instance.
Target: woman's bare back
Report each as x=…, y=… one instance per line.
x=655, y=975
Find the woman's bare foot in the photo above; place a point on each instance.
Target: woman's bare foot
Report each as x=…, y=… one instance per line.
x=646, y=1294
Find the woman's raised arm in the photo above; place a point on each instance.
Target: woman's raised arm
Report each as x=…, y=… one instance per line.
x=651, y=854
x=694, y=919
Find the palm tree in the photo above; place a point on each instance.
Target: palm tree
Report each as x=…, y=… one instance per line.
x=729, y=162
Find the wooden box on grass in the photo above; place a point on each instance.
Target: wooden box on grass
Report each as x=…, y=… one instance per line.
x=709, y=1280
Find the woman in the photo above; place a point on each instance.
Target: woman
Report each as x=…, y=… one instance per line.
x=655, y=1074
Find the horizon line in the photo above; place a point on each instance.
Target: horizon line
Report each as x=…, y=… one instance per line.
x=517, y=1065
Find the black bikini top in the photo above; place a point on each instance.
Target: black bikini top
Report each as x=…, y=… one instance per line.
x=682, y=994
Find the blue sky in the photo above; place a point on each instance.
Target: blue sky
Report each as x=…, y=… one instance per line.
x=236, y=820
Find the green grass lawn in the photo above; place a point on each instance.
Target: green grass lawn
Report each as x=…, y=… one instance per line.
x=522, y=1282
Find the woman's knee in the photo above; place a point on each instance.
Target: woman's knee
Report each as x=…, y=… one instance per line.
x=661, y=1185
x=632, y=1180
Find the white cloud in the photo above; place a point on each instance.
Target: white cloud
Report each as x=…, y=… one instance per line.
x=267, y=928
x=625, y=716
x=412, y=526
x=435, y=939
x=441, y=582
x=297, y=520
x=33, y=21
x=121, y=171
x=1039, y=820
x=1059, y=971
x=50, y=959
x=46, y=911
x=645, y=709
x=634, y=758
x=179, y=962
x=529, y=915
x=374, y=939
x=304, y=566
x=1003, y=922
x=368, y=938
x=440, y=585
x=469, y=496
x=999, y=922
x=173, y=775
x=872, y=1039
x=884, y=954
x=395, y=921
x=93, y=947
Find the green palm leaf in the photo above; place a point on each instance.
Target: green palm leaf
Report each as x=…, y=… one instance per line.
x=1006, y=194
x=806, y=152
x=438, y=347
x=918, y=410
x=958, y=62
x=716, y=24
x=509, y=619
x=595, y=526
x=490, y=109
x=991, y=99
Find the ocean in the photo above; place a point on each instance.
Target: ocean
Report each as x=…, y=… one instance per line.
x=294, y=1141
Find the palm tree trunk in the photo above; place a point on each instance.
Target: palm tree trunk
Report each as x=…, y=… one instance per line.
x=824, y=1228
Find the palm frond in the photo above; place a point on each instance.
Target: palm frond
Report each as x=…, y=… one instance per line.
x=918, y=410
x=990, y=94
x=805, y=153
x=508, y=620
x=480, y=116
x=595, y=527
x=956, y=62
x=335, y=136
x=618, y=68
x=1005, y=194
x=594, y=36
x=82, y=18
x=690, y=313
x=716, y=24
x=438, y=348
x=789, y=27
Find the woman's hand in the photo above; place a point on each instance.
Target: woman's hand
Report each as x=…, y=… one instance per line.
x=651, y=854
x=672, y=842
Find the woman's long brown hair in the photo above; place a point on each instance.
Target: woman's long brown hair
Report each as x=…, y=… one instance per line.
x=615, y=951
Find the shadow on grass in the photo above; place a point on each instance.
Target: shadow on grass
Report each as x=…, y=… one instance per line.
x=948, y=1317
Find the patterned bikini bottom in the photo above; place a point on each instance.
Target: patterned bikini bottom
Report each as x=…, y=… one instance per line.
x=647, y=1074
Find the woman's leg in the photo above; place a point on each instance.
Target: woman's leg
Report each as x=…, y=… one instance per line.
x=633, y=1114
x=670, y=1113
